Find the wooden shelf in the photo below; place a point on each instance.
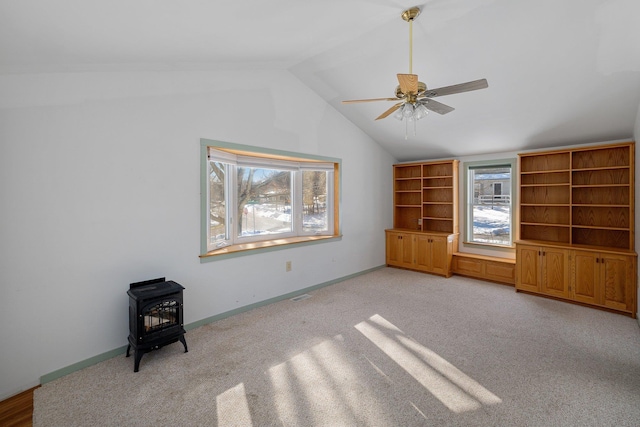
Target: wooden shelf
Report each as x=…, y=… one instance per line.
x=589, y=190
x=425, y=217
x=577, y=226
x=549, y=162
x=425, y=196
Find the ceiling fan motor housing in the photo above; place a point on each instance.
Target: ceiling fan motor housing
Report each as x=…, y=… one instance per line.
x=401, y=95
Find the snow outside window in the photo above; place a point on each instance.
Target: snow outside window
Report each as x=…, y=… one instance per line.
x=489, y=204
x=261, y=199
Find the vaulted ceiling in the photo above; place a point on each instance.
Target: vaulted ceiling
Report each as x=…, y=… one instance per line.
x=559, y=72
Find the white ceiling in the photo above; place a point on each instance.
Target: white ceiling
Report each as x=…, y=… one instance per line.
x=559, y=71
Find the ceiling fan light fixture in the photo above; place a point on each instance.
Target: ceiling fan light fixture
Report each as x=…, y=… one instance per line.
x=407, y=110
x=420, y=111
x=411, y=112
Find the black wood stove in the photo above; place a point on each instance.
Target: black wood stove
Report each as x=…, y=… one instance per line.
x=155, y=316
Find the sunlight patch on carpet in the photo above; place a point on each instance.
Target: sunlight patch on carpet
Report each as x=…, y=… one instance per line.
x=319, y=386
x=449, y=385
x=233, y=408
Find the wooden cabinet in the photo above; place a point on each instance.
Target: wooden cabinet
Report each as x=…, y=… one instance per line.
x=543, y=269
x=604, y=279
x=400, y=249
x=432, y=254
x=427, y=252
x=501, y=270
x=425, y=216
x=576, y=212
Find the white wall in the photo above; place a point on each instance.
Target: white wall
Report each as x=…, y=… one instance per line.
x=100, y=187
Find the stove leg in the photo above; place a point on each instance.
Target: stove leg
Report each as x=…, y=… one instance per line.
x=128, y=348
x=138, y=355
x=184, y=343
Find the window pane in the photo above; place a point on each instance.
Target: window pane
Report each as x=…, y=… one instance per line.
x=217, y=204
x=264, y=201
x=491, y=205
x=314, y=202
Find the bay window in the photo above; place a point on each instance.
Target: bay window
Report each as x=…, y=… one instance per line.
x=261, y=199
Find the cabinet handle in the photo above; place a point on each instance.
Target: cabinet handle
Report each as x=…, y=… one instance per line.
x=597, y=260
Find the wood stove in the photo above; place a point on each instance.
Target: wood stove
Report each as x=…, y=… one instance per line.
x=155, y=316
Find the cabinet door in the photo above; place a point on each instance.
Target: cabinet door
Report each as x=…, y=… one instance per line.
x=617, y=281
x=439, y=255
x=555, y=272
x=423, y=252
x=400, y=249
x=586, y=278
x=528, y=268
x=393, y=250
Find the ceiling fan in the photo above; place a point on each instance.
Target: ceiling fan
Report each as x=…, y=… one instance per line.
x=415, y=99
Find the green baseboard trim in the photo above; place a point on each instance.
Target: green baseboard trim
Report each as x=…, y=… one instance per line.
x=121, y=350
x=82, y=364
x=275, y=299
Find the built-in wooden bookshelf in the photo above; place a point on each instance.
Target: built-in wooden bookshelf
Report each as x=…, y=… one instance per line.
x=425, y=196
x=407, y=196
x=577, y=225
x=581, y=196
x=602, y=197
x=545, y=197
x=439, y=196
x=425, y=216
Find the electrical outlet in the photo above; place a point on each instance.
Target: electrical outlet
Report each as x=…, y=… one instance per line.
x=288, y=266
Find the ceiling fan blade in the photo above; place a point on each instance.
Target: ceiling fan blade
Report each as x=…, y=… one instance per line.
x=389, y=111
x=436, y=106
x=408, y=83
x=462, y=87
x=353, y=101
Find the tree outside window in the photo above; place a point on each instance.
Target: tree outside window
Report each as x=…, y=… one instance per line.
x=262, y=199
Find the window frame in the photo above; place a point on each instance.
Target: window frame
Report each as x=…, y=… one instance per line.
x=251, y=156
x=469, y=189
x=233, y=234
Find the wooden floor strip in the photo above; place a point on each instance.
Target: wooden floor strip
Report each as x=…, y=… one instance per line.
x=17, y=411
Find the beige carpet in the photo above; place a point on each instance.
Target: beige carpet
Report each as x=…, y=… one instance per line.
x=389, y=348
